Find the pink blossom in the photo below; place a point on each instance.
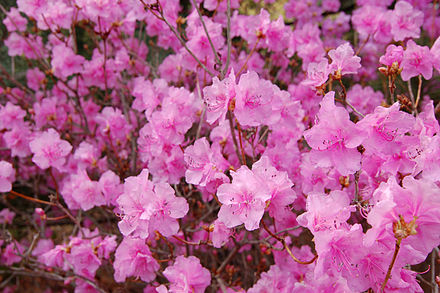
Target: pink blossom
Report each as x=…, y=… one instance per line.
x=110, y=186
x=86, y=192
x=11, y=253
x=148, y=207
x=218, y=96
x=334, y=138
x=6, y=216
x=14, y=21
x=344, y=61
x=133, y=258
x=204, y=162
x=7, y=176
x=220, y=234
x=187, y=275
x=278, y=184
x=255, y=105
x=65, y=62
x=405, y=21
x=244, y=200
x=274, y=280
x=366, y=19
x=435, y=51
x=416, y=60
x=414, y=201
x=83, y=259
x=49, y=150
x=319, y=217
x=393, y=54
x=364, y=99
x=317, y=73
x=11, y=116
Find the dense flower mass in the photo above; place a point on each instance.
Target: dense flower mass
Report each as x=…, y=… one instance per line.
x=220, y=146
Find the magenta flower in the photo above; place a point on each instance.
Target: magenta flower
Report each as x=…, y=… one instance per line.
x=416, y=60
x=49, y=150
x=334, y=138
x=244, y=200
x=187, y=275
x=133, y=258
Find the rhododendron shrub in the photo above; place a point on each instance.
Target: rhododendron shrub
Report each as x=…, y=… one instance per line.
x=220, y=146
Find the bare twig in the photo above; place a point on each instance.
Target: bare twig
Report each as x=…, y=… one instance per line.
x=229, y=39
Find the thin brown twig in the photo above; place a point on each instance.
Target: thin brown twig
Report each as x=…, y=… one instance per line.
x=31, y=198
x=234, y=139
x=393, y=260
x=247, y=58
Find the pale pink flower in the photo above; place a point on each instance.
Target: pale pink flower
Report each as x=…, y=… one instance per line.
x=49, y=150
x=7, y=176
x=133, y=258
x=187, y=275
x=244, y=200
x=344, y=61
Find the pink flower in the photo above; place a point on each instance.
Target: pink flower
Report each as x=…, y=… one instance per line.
x=220, y=234
x=256, y=105
x=386, y=127
x=14, y=21
x=83, y=259
x=187, y=275
x=203, y=162
x=274, y=280
x=7, y=176
x=86, y=192
x=11, y=116
x=17, y=140
x=392, y=54
x=415, y=200
x=65, y=62
x=110, y=186
x=364, y=99
x=405, y=21
x=244, y=200
x=344, y=61
x=435, y=51
x=147, y=207
x=319, y=217
x=11, y=253
x=6, y=216
x=133, y=258
x=278, y=184
x=49, y=150
x=334, y=138
x=416, y=60
x=218, y=96
x=317, y=73
x=366, y=19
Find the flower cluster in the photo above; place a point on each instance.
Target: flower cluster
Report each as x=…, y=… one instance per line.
x=205, y=146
